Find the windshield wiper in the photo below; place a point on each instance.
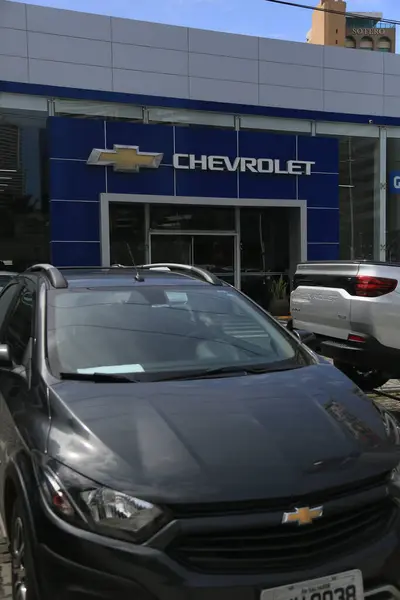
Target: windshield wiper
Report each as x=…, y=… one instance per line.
x=234, y=370
x=98, y=377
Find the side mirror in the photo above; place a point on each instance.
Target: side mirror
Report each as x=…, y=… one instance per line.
x=305, y=337
x=5, y=358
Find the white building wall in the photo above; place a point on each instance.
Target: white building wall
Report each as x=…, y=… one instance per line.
x=72, y=49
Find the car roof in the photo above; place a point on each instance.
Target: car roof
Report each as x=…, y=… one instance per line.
x=101, y=278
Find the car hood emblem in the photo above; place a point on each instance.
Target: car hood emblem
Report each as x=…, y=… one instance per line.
x=303, y=516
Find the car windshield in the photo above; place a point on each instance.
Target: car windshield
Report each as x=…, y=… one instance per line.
x=153, y=331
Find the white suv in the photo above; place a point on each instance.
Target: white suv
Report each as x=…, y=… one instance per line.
x=353, y=308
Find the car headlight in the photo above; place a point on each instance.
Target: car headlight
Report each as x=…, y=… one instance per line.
x=89, y=505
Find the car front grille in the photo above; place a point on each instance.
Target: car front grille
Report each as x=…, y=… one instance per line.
x=366, y=486
x=280, y=548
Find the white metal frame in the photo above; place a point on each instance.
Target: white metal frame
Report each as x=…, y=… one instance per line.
x=235, y=203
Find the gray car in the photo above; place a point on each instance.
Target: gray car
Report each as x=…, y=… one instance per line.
x=353, y=308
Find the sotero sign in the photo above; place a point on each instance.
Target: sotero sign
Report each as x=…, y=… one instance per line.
x=129, y=159
x=366, y=31
x=253, y=165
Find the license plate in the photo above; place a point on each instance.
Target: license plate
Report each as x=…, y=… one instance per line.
x=343, y=586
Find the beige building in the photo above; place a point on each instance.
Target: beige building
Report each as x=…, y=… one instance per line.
x=364, y=31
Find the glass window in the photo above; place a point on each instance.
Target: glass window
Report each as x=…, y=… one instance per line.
x=264, y=239
x=127, y=233
x=190, y=117
x=358, y=196
x=393, y=202
x=359, y=187
x=172, y=217
x=156, y=330
x=283, y=126
x=24, y=198
x=265, y=242
x=350, y=42
x=212, y=252
x=24, y=102
x=366, y=43
x=384, y=44
x=6, y=299
x=19, y=327
x=98, y=110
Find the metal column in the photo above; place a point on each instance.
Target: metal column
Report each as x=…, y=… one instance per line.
x=380, y=200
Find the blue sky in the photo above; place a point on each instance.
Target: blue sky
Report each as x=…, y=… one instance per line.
x=251, y=17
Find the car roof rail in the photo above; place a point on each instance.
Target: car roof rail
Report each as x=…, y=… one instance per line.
x=53, y=274
x=97, y=267
x=84, y=268
x=189, y=269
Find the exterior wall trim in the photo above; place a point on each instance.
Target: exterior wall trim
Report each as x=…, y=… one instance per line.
x=202, y=105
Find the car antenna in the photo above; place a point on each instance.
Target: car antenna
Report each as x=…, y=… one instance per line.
x=138, y=277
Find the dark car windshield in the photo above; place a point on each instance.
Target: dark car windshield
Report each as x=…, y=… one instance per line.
x=157, y=330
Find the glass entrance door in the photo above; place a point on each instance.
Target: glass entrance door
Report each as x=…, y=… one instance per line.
x=214, y=252
x=171, y=248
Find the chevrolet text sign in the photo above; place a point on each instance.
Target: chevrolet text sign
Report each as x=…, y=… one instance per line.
x=130, y=159
x=253, y=165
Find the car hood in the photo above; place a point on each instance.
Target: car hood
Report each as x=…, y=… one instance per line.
x=275, y=435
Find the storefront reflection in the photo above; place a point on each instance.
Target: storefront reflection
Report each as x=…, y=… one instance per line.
x=191, y=218
x=127, y=233
x=205, y=236
x=266, y=254
x=393, y=204
x=214, y=253
x=24, y=200
x=358, y=191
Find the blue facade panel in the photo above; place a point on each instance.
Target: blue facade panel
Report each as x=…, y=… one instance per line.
x=72, y=180
x=147, y=181
x=75, y=254
x=75, y=187
x=74, y=138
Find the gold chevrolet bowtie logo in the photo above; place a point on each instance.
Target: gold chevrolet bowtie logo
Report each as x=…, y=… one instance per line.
x=303, y=516
x=125, y=158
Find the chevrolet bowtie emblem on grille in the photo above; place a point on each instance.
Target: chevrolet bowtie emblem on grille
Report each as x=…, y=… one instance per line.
x=125, y=158
x=303, y=516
